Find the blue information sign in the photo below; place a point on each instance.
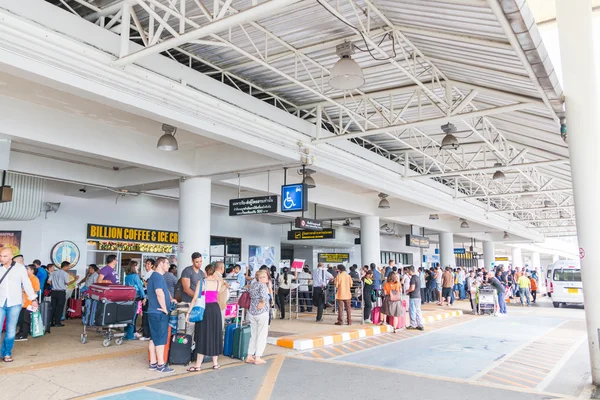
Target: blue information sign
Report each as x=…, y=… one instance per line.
x=460, y=251
x=293, y=197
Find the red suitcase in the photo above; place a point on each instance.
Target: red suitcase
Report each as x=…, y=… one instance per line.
x=110, y=292
x=75, y=306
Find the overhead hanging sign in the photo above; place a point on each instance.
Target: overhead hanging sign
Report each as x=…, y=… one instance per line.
x=293, y=198
x=334, y=258
x=253, y=205
x=501, y=258
x=308, y=224
x=460, y=251
x=120, y=233
x=311, y=235
x=417, y=241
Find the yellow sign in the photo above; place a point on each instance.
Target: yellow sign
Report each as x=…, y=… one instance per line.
x=120, y=233
x=335, y=258
x=311, y=235
x=501, y=258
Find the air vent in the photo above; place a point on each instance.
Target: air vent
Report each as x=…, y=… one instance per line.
x=28, y=195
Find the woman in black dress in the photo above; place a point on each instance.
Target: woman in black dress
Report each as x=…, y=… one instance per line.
x=208, y=333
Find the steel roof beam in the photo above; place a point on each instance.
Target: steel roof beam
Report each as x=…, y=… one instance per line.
x=544, y=220
x=427, y=122
x=533, y=209
x=490, y=169
x=537, y=192
x=263, y=10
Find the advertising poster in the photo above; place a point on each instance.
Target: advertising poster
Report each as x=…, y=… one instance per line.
x=11, y=239
x=297, y=265
x=260, y=255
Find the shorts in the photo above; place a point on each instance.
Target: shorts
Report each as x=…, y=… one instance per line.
x=159, y=328
x=446, y=292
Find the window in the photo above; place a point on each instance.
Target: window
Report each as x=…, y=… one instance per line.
x=225, y=249
x=567, y=275
x=399, y=258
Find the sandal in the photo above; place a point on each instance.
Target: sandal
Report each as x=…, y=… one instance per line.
x=8, y=359
x=216, y=366
x=194, y=369
x=261, y=361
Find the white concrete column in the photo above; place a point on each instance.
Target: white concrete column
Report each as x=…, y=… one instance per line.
x=554, y=258
x=447, y=250
x=517, y=258
x=489, y=258
x=194, y=220
x=535, y=261
x=370, y=246
x=580, y=82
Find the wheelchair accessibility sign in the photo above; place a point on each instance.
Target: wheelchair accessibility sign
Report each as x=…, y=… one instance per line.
x=293, y=197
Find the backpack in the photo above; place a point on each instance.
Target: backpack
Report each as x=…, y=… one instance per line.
x=178, y=295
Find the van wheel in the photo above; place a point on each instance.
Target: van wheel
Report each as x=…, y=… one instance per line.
x=556, y=304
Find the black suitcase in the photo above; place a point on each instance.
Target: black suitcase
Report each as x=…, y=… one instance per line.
x=106, y=313
x=180, y=352
x=45, y=310
x=109, y=313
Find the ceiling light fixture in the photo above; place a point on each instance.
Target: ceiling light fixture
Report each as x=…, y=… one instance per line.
x=434, y=217
x=464, y=224
x=346, y=74
x=167, y=141
x=498, y=175
x=449, y=142
x=307, y=179
x=384, y=202
x=506, y=236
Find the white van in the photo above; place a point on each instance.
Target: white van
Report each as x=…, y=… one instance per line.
x=564, y=283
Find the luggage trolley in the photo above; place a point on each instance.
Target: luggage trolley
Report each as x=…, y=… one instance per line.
x=108, y=308
x=486, y=299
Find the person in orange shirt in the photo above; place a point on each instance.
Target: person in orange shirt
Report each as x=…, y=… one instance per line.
x=343, y=284
x=392, y=303
x=533, y=288
x=25, y=315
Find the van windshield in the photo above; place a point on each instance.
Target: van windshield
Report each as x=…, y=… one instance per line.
x=567, y=275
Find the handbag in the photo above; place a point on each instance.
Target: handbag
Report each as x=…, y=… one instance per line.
x=244, y=300
x=373, y=296
x=37, y=324
x=197, y=313
x=395, y=295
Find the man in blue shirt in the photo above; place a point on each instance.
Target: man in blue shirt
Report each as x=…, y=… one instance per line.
x=241, y=279
x=42, y=276
x=377, y=282
x=158, y=316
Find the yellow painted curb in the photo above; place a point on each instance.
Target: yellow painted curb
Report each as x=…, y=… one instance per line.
x=336, y=338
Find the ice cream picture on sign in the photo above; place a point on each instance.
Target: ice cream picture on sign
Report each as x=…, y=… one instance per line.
x=12, y=240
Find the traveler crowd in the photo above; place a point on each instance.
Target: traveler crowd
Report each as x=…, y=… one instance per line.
x=158, y=289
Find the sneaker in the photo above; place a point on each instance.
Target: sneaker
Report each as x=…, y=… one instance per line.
x=20, y=339
x=164, y=369
x=368, y=321
x=137, y=335
x=421, y=328
x=143, y=339
x=152, y=367
x=410, y=328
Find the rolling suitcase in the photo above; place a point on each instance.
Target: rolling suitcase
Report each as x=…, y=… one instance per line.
x=376, y=315
x=241, y=341
x=45, y=308
x=110, y=292
x=180, y=352
x=228, y=343
x=74, y=306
